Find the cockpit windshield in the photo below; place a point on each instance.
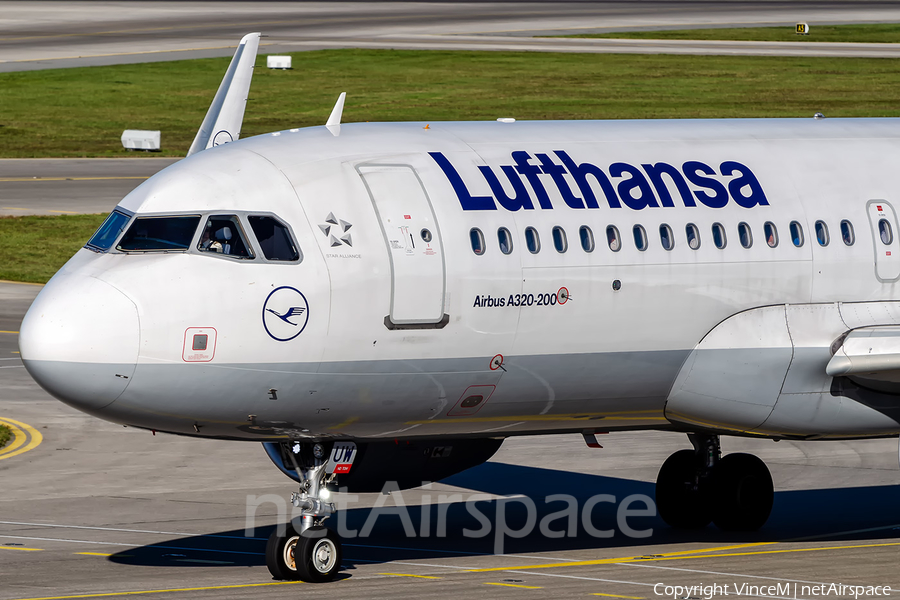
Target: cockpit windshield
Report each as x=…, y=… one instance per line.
x=224, y=235
x=109, y=231
x=160, y=234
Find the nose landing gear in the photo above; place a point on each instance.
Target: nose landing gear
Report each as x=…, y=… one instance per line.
x=313, y=555
x=305, y=549
x=697, y=486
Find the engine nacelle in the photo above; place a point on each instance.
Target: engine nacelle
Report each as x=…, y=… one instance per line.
x=408, y=463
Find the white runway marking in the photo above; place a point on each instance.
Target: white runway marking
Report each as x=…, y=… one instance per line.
x=230, y=537
x=154, y=546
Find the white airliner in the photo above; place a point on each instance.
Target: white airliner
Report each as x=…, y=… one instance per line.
x=329, y=290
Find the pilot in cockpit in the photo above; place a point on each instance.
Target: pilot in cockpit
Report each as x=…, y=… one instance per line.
x=216, y=242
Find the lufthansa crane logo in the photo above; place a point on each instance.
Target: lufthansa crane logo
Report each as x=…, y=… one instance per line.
x=285, y=313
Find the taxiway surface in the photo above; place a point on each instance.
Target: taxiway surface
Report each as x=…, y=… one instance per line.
x=97, y=510
x=42, y=35
x=49, y=186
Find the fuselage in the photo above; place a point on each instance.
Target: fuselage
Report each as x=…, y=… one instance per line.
x=481, y=279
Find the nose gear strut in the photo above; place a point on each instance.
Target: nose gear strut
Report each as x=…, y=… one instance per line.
x=304, y=549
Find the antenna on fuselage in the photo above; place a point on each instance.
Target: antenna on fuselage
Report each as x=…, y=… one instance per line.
x=223, y=120
x=334, y=120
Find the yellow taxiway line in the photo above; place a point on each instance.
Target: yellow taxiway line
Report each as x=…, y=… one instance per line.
x=513, y=585
x=610, y=561
x=110, y=178
x=25, y=438
x=686, y=555
x=167, y=591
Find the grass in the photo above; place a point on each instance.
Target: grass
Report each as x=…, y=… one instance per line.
x=82, y=112
x=885, y=33
x=33, y=248
x=5, y=435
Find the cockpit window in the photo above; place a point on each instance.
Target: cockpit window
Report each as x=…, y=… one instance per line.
x=222, y=235
x=109, y=231
x=274, y=239
x=159, y=233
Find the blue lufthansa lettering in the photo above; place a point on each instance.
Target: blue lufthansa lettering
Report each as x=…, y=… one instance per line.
x=531, y=173
x=637, y=189
x=692, y=170
x=655, y=173
x=556, y=172
x=521, y=199
x=467, y=200
x=580, y=174
x=635, y=181
x=746, y=179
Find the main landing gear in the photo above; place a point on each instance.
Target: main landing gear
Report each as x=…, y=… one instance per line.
x=304, y=549
x=697, y=486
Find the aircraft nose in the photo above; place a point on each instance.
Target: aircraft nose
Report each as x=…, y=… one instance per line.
x=79, y=341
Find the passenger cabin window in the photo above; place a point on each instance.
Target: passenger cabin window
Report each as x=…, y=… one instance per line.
x=847, y=233
x=477, y=240
x=505, y=240
x=822, y=233
x=718, y=233
x=613, y=239
x=885, y=232
x=587, y=238
x=693, y=236
x=745, y=235
x=223, y=234
x=159, y=234
x=532, y=240
x=640, y=237
x=796, y=233
x=771, y=234
x=274, y=239
x=108, y=232
x=559, y=240
x=665, y=237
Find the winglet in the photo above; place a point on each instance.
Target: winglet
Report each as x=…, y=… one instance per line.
x=223, y=120
x=334, y=120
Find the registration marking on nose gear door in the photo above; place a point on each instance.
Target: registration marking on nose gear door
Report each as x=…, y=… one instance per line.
x=341, y=459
